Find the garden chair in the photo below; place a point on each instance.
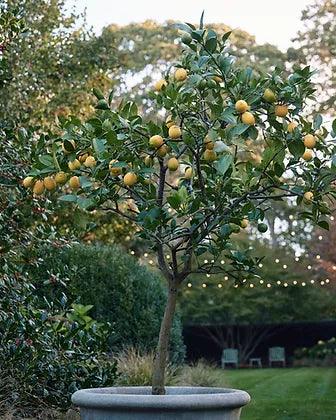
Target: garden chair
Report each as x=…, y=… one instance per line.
x=277, y=355
x=230, y=356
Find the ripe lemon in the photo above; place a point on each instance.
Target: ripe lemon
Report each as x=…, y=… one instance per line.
x=188, y=174
x=82, y=158
x=162, y=151
x=308, y=155
x=149, y=161
x=309, y=141
x=180, y=75
x=28, y=182
x=244, y=223
x=281, y=110
x=49, y=183
x=209, y=144
x=174, y=132
x=248, y=118
x=74, y=182
x=114, y=170
x=173, y=164
x=61, y=178
x=308, y=197
x=160, y=84
x=75, y=164
x=38, y=188
x=241, y=106
x=130, y=179
x=156, y=141
x=169, y=121
x=90, y=162
x=291, y=126
x=209, y=155
x=269, y=95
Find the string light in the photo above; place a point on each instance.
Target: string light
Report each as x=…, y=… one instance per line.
x=204, y=285
x=145, y=255
x=189, y=285
x=222, y=262
x=327, y=280
x=226, y=278
x=332, y=218
x=168, y=257
x=284, y=266
x=219, y=285
x=269, y=285
x=334, y=267
x=277, y=260
x=318, y=257
x=260, y=265
x=132, y=252
x=309, y=267
x=303, y=283
x=261, y=281
x=151, y=262
x=297, y=259
x=244, y=280
x=312, y=281
x=205, y=261
x=320, y=238
x=294, y=282
x=285, y=284
x=278, y=282
x=208, y=275
x=236, y=285
x=251, y=285
x=322, y=283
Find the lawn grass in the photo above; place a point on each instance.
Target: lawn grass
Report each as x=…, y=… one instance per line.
x=286, y=394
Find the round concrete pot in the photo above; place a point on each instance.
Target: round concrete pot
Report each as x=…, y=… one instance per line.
x=137, y=403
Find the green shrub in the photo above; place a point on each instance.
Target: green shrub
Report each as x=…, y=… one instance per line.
x=47, y=349
x=136, y=368
x=122, y=292
x=322, y=354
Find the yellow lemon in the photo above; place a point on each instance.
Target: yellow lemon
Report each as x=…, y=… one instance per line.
x=308, y=155
x=49, y=183
x=162, y=151
x=130, y=179
x=309, y=141
x=169, y=121
x=28, y=182
x=291, y=126
x=174, y=132
x=73, y=165
x=308, y=197
x=244, y=223
x=248, y=118
x=90, y=162
x=188, y=174
x=173, y=164
x=156, y=141
x=114, y=170
x=160, y=84
x=61, y=178
x=180, y=75
x=209, y=155
x=74, y=182
x=281, y=110
x=38, y=188
x=241, y=106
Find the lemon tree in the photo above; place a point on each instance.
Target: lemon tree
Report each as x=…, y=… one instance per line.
x=188, y=179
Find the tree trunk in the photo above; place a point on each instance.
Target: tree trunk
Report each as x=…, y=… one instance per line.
x=161, y=357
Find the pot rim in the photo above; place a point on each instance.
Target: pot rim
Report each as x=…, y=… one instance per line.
x=140, y=398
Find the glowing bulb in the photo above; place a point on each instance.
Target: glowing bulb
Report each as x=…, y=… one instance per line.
x=151, y=262
x=332, y=218
x=297, y=259
x=312, y=281
x=334, y=267
x=279, y=282
x=277, y=260
x=269, y=285
x=132, y=252
x=260, y=265
x=285, y=284
x=219, y=285
x=322, y=283
x=205, y=261
x=222, y=262
x=303, y=283
x=251, y=285
x=204, y=285
x=189, y=285
x=320, y=238
x=318, y=257
x=291, y=217
x=226, y=278
x=261, y=281
x=145, y=255
x=284, y=266
x=244, y=280
x=294, y=282
x=168, y=257
x=208, y=275
x=327, y=280
x=236, y=285
x=309, y=267
x=212, y=261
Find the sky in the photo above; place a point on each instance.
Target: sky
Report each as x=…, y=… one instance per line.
x=275, y=22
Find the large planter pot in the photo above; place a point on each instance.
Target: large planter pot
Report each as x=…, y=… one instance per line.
x=137, y=403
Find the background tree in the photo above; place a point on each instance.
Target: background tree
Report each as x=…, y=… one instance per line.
x=316, y=45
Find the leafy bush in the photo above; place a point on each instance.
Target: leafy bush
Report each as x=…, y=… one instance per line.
x=122, y=292
x=136, y=368
x=47, y=349
x=322, y=354
x=200, y=374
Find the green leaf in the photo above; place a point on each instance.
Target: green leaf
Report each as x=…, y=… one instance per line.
x=226, y=36
x=99, y=145
x=296, y=148
x=239, y=129
x=323, y=224
x=334, y=126
x=317, y=121
x=201, y=21
x=223, y=164
x=69, y=198
x=228, y=116
x=47, y=160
